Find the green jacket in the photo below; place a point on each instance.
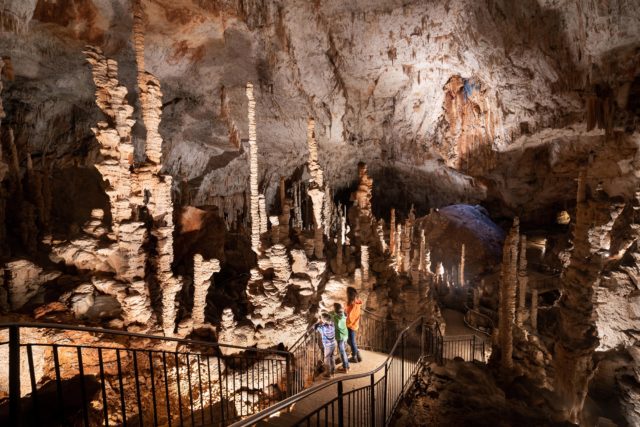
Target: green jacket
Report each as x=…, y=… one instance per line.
x=340, y=323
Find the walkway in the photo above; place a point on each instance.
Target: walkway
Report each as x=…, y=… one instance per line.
x=354, y=409
x=460, y=340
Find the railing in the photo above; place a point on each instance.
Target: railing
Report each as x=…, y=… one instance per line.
x=355, y=400
x=468, y=347
x=90, y=376
x=375, y=333
x=487, y=321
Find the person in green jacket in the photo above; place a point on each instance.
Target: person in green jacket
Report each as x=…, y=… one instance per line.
x=340, y=323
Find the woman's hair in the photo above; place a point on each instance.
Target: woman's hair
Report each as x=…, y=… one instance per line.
x=326, y=316
x=352, y=294
x=337, y=307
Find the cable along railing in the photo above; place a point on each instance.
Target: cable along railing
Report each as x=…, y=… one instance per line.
x=368, y=398
x=73, y=375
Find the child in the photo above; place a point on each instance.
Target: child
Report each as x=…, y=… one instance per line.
x=340, y=325
x=327, y=332
x=354, y=306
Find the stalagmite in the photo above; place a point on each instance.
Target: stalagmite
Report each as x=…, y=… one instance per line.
x=328, y=211
x=392, y=230
x=573, y=361
x=275, y=229
x=363, y=193
x=427, y=260
x=262, y=209
x=202, y=272
x=534, y=310
x=509, y=279
x=406, y=246
x=381, y=239
x=522, y=281
x=461, y=281
x=398, y=251
x=364, y=263
x=115, y=139
x=421, y=254
x=316, y=191
x=253, y=172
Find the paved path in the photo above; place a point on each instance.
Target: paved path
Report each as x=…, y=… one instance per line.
x=370, y=361
x=458, y=338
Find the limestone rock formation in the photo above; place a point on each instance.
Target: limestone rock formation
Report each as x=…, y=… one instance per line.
x=508, y=283
x=202, y=272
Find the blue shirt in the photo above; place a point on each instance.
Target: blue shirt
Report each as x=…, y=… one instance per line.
x=327, y=332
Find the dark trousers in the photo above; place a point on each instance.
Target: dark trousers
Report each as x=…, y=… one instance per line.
x=352, y=342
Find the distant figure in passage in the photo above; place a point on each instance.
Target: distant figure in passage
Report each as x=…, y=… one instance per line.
x=328, y=334
x=340, y=324
x=354, y=307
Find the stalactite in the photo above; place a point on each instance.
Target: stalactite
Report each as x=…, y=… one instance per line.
x=522, y=281
x=509, y=279
x=392, y=230
x=427, y=260
x=253, y=172
x=202, y=272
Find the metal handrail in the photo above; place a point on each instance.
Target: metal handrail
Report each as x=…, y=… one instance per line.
x=62, y=326
x=464, y=319
x=272, y=410
x=196, y=373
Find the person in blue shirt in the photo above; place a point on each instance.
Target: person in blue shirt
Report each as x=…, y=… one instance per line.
x=341, y=331
x=327, y=333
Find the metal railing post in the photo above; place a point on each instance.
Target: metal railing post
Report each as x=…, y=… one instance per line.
x=373, y=401
x=14, y=376
x=474, y=348
x=289, y=382
x=402, y=365
x=340, y=406
x=384, y=394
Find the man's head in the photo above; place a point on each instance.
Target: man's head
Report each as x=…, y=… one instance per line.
x=337, y=307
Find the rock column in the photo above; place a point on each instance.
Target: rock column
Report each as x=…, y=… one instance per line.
x=202, y=272
x=508, y=295
x=253, y=172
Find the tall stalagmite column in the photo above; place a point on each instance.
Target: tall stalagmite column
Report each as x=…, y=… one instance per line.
x=202, y=271
x=507, y=308
x=392, y=230
x=364, y=262
x=522, y=281
x=316, y=190
x=577, y=340
x=253, y=173
x=534, y=310
x=461, y=269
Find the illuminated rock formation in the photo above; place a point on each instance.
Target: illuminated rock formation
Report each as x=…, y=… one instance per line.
x=392, y=230
x=363, y=193
x=461, y=281
x=533, y=318
x=508, y=283
x=262, y=209
x=522, y=281
x=364, y=263
x=573, y=361
x=253, y=172
x=202, y=272
x=24, y=280
x=114, y=136
x=316, y=191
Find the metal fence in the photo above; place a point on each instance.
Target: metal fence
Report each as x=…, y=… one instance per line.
x=357, y=400
x=72, y=378
x=467, y=347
